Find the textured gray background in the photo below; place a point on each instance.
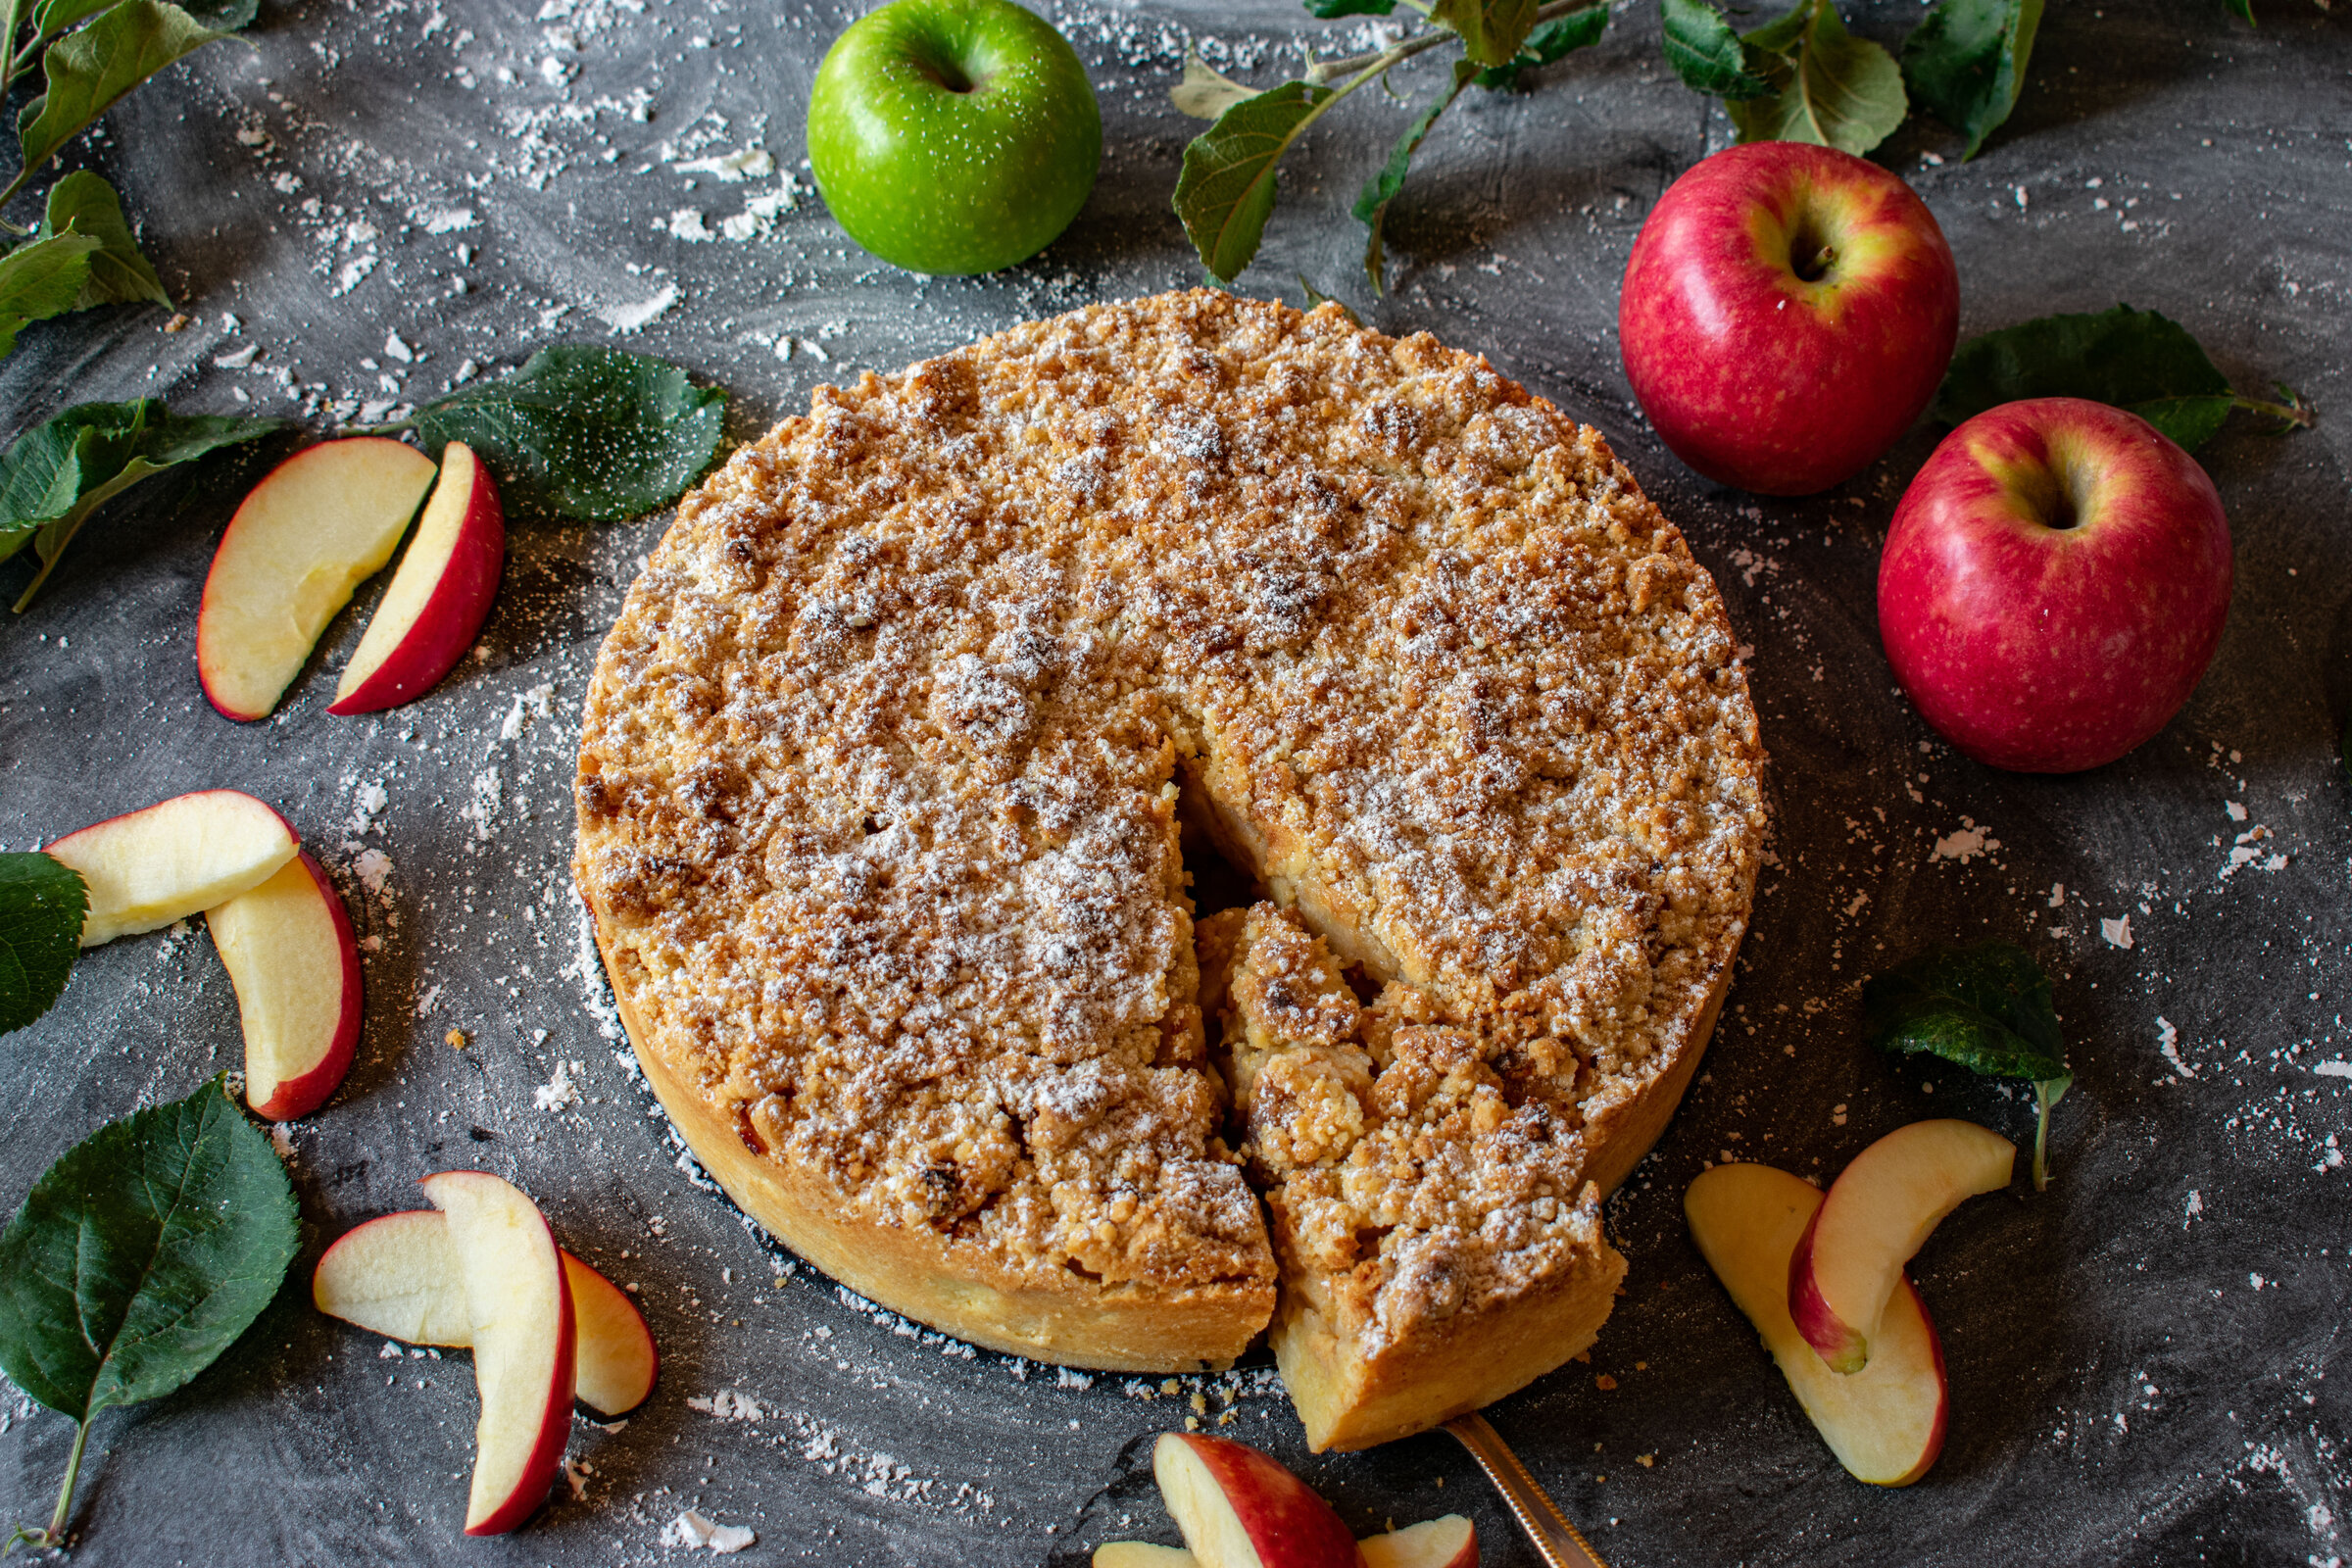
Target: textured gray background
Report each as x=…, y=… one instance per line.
x=2140, y=1357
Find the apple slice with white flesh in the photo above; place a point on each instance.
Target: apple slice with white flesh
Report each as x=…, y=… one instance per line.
x=1238, y=1508
x=1450, y=1541
x=289, y=953
x=1877, y=1215
x=1141, y=1554
x=316, y=526
x=518, y=1306
x=1886, y=1422
x=439, y=595
x=176, y=858
x=399, y=1276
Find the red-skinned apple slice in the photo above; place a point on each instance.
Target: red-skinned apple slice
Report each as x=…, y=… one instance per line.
x=1450, y=1541
x=1877, y=1215
x=518, y=1304
x=1238, y=1508
x=176, y=858
x=316, y=526
x=289, y=953
x=399, y=1276
x=1885, y=1423
x=438, y=596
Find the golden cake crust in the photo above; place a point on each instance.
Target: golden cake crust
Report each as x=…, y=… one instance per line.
x=880, y=780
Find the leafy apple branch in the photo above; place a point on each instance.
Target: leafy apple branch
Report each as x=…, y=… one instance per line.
x=90, y=53
x=1226, y=191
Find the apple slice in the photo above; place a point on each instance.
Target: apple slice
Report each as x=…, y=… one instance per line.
x=176, y=858
x=399, y=1276
x=307, y=535
x=1238, y=1508
x=1449, y=1541
x=288, y=950
x=1141, y=1554
x=396, y=1275
x=1879, y=1213
x=1886, y=1422
x=518, y=1306
x=438, y=596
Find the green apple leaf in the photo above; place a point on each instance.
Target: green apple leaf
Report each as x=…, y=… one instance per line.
x=42, y=902
x=1967, y=63
x=1550, y=41
x=1331, y=9
x=86, y=70
x=1492, y=30
x=585, y=432
x=1205, y=91
x=84, y=204
x=40, y=280
x=141, y=1256
x=2242, y=10
x=1226, y=191
x=56, y=475
x=1372, y=204
x=1830, y=87
x=1986, y=1007
x=1707, y=53
x=2136, y=360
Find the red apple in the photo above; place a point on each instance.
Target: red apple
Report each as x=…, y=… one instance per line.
x=2055, y=584
x=1879, y=1213
x=1786, y=313
x=1885, y=1423
x=302, y=539
x=399, y=1276
x=288, y=951
x=1450, y=1541
x=438, y=596
x=518, y=1306
x=1238, y=1508
x=176, y=858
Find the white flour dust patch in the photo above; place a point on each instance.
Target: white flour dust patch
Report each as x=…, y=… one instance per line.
x=2168, y=1040
x=1965, y=844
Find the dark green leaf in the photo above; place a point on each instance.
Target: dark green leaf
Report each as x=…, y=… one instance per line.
x=1330, y=10
x=41, y=279
x=1492, y=30
x=2242, y=10
x=86, y=71
x=1205, y=91
x=2136, y=360
x=59, y=474
x=585, y=432
x=1372, y=204
x=119, y=274
x=41, y=905
x=1831, y=87
x=1967, y=63
x=53, y=16
x=142, y=1254
x=1707, y=53
x=1226, y=191
x=1986, y=1009
x=1550, y=41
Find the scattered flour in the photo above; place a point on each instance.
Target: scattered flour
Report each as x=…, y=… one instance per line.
x=2168, y=1040
x=727, y=1405
x=627, y=321
x=691, y=1529
x=558, y=1092
x=2116, y=932
x=1965, y=844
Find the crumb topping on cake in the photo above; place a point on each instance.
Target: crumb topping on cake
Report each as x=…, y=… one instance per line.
x=882, y=768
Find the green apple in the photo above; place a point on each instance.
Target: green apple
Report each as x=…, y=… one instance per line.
x=953, y=136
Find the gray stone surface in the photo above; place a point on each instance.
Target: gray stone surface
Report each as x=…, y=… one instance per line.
x=2146, y=1360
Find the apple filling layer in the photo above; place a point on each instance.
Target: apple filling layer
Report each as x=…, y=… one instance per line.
x=881, y=778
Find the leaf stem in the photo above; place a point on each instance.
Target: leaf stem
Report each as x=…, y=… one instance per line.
x=2292, y=410
x=54, y=1537
x=2047, y=1092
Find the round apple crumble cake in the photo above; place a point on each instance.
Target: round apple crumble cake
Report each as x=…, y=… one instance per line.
x=886, y=772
